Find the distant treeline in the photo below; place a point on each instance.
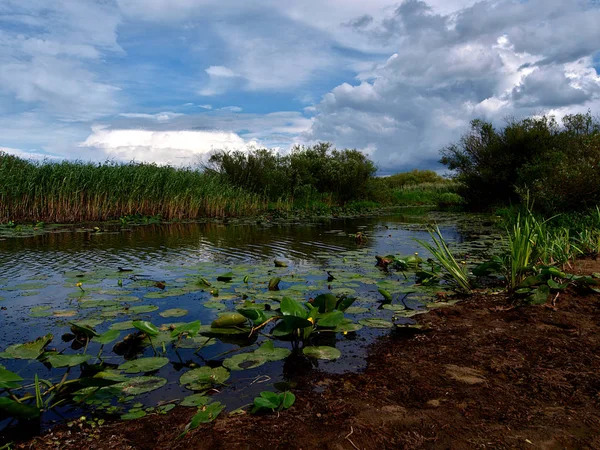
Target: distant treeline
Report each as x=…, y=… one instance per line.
x=555, y=166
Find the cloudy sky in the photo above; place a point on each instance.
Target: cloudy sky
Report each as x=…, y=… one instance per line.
x=168, y=80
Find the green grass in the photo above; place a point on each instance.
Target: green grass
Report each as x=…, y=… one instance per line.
x=61, y=192
x=439, y=193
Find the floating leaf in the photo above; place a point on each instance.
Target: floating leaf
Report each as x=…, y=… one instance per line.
x=272, y=353
x=121, y=326
x=280, y=263
x=191, y=329
x=325, y=302
x=347, y=326
x=58, y=361
x=274, y=284
x=356, y=310
x=204, y=377
x=8, y=379
x=83, y=329
x=197, y=342
x=142, y=309
x=107, y=337
x=206, y=414
x=244, y=361
x=376, y=323
x=140, y=385
x=228, y=320
x=146, y=327
x=144, y=364
x=331, y=319
x=29, y=350
x=196, y=400
x=225, y=277
x=322, y=352
x=386, y=295
x=175, y=312
x=40, y=311
x=133, y=414
x=214, y=305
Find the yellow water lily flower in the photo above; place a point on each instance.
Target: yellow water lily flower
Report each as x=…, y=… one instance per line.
x=311, y=320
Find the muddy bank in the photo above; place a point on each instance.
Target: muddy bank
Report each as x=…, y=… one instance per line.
x=484, y=375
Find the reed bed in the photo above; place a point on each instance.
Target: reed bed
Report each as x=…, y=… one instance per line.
x=66, y=192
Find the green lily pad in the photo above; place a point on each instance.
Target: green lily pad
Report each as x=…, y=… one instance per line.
x=244, y=361
x=347, y=326
x=97, y=303
x=140, y=385
x=356, y=310
x=227, y=320
x=40, y=311
x=206, y=414
x=134, y=414
x=197, y=342
x=64, y=313
x=29, y=350
x=175, y=312
x=196, y=400
x=376, y=323
x=142, y=309
x=58, y=361
x=121, y=326
x=190, y=329
x=146, y=327
x=144, y=364
x=8, y=379
x=322, y=352
x=272, y=353
x=394, y=307
x=204, y=377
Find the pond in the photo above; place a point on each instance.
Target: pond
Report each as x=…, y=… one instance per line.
x=86, y=293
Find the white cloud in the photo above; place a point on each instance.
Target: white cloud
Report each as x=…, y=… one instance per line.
x=158, y=117
x=163, y=147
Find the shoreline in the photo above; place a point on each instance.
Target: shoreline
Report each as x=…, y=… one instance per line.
x=484, y=374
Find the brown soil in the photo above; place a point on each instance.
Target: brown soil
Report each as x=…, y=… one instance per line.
x=485, y=375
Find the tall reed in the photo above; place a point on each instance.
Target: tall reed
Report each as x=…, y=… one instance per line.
x=77, y=191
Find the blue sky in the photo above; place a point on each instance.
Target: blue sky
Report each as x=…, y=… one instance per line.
x=170, y=81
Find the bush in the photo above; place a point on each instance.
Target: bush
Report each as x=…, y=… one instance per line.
x=557, y=166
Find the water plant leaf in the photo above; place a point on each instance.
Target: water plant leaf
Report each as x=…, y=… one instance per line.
x=8, y=379
x=274, y=283
x=204, y=377
x=244, y=361
x=29, y=350
x=539, y=296
x=228, y=320
x=206, y=414
x=325, y=302
x=196, y=400
x=345, y=303
x=331, y=319
x=356, y=310
x=140, y=385
x=225, y=277
x=290, y=307
x=144, y=364
x=133, y=414
x=386, y=295
x=322, y=352
x=58, y=361
x=107, y=337
x=347, y=326
x=376, y=323
x=272, y=353
x=142, y=309
x=196, y=342
x=255, y=315
x=10, y=408
x=267, y=400
x=146, y=327
x=280, y=263
x=190, y=329
x=121, y=326
x=175, y=312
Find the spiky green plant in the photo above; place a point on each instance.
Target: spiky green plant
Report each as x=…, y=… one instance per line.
x=456, y=272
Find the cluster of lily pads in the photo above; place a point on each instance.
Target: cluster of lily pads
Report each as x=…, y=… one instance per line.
x=120, y=339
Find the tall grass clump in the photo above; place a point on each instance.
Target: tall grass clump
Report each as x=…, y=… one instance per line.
x=456, y=272
x=77, y=191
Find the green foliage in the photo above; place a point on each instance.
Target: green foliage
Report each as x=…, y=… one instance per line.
x=135, y=192
x=271, y=401
x=456, y=272
x=305, y=173
x=556, y=165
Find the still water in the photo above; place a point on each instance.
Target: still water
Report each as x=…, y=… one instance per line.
x=154, y=273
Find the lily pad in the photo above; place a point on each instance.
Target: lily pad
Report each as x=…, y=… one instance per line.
x=175, y=312
x=8, y=379
x=146, y=327
x=140, y=385
x=376, y=323
x=322, y=352
x=244, y=361
x=204, y=377
x=58, y=361
x=144, y=364
x=142, y=309
x=272, y=353
x=227, y=320
x=197, y=342
x=196, y=400
x=121, y=326
x=134, y=414
x=29, y=350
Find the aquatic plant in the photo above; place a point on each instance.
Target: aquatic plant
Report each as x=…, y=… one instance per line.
x=456, y=273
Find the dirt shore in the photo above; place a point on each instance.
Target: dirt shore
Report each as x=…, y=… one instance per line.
x=484, y=375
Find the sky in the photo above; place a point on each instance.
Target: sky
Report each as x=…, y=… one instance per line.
x=169, y=81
